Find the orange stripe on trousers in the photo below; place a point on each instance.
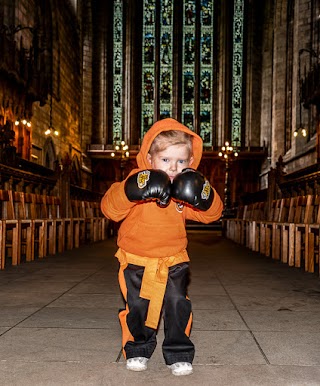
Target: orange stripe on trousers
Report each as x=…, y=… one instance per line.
x=126, y=334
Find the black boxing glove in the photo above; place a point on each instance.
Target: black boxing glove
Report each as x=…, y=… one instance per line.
x=147, y=185
x=192, y=188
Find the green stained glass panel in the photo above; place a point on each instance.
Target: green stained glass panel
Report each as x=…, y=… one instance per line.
x=237, y=73
x=117, y=70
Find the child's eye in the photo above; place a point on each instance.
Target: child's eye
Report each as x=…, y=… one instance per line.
x=182, y=161
x=165, y=159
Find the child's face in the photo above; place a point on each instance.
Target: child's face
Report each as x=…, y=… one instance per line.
x=172, y=160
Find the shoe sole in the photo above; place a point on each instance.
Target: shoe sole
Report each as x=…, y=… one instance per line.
x=137, y=368
x=186, y=372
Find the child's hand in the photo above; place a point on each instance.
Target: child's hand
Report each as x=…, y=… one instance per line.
x=147, y=185
x=192, y=188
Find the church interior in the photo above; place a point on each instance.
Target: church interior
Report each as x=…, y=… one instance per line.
x=81, y=82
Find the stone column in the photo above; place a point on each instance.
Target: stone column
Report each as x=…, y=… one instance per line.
x=279, y=82
x=99, y=71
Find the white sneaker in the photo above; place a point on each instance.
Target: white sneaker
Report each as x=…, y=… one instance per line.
x=181, y=368
x=137, y=364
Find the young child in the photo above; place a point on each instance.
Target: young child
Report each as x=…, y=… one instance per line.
x=154, y=203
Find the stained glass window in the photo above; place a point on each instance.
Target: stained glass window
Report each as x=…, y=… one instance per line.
x=237, y=72
x=206, y=61
x=117, y=70
x=188, y=65
x=148, y=64
x=166, y=43
x=194, y=68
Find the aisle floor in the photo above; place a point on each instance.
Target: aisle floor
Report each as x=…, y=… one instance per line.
x=256, y=321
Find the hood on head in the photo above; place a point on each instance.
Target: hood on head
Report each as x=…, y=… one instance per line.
x=166, y=125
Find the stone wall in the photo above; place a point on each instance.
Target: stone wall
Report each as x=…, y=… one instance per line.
x=280, y=73
x=53, y=92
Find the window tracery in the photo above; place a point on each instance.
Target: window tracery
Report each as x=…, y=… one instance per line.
x=237, y=68
x=177, y=78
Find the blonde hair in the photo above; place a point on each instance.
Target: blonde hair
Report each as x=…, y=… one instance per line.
x=170, y=138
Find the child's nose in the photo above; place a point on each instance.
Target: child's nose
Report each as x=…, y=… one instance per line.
x=173, y=166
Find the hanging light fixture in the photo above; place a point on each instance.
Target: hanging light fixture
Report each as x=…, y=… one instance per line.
x=121, y=150
x=51, y=129
x=228, y=153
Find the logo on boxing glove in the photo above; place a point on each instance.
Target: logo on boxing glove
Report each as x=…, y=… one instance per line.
x=143, y=178
x=205, y=193
x=179, y=207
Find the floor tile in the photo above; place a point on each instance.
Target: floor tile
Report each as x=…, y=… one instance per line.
x=290, y=348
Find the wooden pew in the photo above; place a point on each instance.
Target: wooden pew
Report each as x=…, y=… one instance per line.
x=291, y=231
x=34, y=212
x=89, y=223
x=26, y=227
x=233, y=226
x=31, y=226
x=312, y=251
x=269, y=236
x=258, y=217
x=78, y=224
x=95, y=221
x=285, y=226
x=102, y=220
x=41, y=213
x=301, y=231
x=10, y=230
x=56, y=225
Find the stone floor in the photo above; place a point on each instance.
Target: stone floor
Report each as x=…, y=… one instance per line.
x=256, y=321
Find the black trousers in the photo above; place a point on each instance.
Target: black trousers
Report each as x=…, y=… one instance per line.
x=177, y=315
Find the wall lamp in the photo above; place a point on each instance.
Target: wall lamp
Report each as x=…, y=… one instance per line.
x=301, y=130
x=24, y=121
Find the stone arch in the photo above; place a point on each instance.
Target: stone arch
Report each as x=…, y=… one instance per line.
x=75, y=171
x=49, y=154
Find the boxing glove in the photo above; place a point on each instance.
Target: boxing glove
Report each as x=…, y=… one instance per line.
x=148, y=185
x=191, y=187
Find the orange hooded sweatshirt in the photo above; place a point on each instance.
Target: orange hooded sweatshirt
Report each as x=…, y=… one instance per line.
x=149, y=231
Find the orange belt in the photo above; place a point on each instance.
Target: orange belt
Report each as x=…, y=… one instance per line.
x=154, y=280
